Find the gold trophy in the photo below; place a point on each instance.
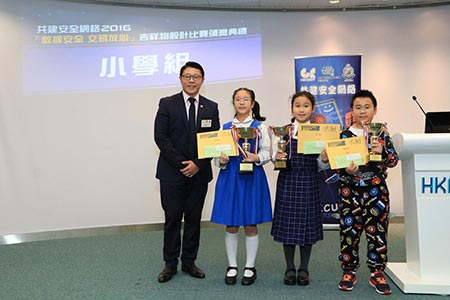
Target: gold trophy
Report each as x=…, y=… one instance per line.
x=373, y=132
x=281, y=132
x=246, y=133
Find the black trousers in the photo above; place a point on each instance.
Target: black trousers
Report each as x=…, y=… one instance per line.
x=182, y=200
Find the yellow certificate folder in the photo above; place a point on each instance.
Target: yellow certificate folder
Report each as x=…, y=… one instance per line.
x=342, y=152
x=210, y=144
x=312, y=137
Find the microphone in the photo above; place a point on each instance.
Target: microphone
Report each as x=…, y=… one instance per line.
x=424, y=113
x=415, y=99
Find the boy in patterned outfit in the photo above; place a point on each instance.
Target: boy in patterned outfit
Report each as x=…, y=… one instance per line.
x=365, y=201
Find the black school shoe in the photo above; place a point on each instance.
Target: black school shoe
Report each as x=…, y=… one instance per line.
x=231, y=280
x=302, y=277
x=289, y=277
x=249, y=280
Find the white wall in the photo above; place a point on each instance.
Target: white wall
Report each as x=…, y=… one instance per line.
x=88, y=160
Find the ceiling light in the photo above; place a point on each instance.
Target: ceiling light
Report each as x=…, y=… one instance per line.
x=334, y=1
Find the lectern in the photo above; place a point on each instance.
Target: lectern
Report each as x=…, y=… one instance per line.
x=425, y=162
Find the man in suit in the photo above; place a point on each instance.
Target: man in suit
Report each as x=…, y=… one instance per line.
x=183, y=177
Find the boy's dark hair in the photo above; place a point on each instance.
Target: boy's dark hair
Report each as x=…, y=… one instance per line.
x=256, y=108
x=304, y=94
x=192, y=64
x=365, y=94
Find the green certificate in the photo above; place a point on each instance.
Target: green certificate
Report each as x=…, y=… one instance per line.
x=343, y=161
x=313, y=147
x=214, y=151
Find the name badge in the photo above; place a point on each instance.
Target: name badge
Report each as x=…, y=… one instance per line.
x=206, y=123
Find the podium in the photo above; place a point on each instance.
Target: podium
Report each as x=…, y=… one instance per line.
x=426, y=195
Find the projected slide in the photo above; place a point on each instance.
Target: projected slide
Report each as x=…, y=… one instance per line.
x=78, y=51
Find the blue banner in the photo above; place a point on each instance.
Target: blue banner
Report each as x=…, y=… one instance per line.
x=333, y=80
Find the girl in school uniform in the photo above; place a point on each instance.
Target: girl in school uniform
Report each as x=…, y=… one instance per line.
x=297, y=217
x=243, y=199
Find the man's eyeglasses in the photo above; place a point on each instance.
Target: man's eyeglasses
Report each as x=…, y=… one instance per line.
x=188, y=77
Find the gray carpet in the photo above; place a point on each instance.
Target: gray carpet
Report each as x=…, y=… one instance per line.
x=125, y=266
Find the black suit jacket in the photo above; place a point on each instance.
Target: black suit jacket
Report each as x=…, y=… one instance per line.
x=172, y=137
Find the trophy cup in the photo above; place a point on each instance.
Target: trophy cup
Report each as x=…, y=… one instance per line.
x=246, y=133
x=281, y=132
x=373, y=132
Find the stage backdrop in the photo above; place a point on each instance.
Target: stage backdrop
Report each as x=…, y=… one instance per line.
x=332, y=80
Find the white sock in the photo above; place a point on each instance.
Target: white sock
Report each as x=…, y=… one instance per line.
x=231, y=246
x=252, y=244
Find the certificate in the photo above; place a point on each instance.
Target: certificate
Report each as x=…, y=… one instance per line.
x=312, y=137
x=342, y=152
x=212, y=143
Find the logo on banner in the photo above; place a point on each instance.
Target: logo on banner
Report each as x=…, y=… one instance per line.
x=328, y=70
x=327, y=74
x=348, y=73
x=308, y=76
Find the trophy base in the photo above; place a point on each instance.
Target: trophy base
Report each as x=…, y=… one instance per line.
x=281, y=165
x=245, y=168
x=375, y=157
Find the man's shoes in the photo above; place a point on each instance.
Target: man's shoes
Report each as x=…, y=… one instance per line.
x=193, y=270
x=348, y=281
x=229, y=278
x=302, y=277
x=380, y=284
x=289, y=277
x=166, y=274
x=249, y=280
